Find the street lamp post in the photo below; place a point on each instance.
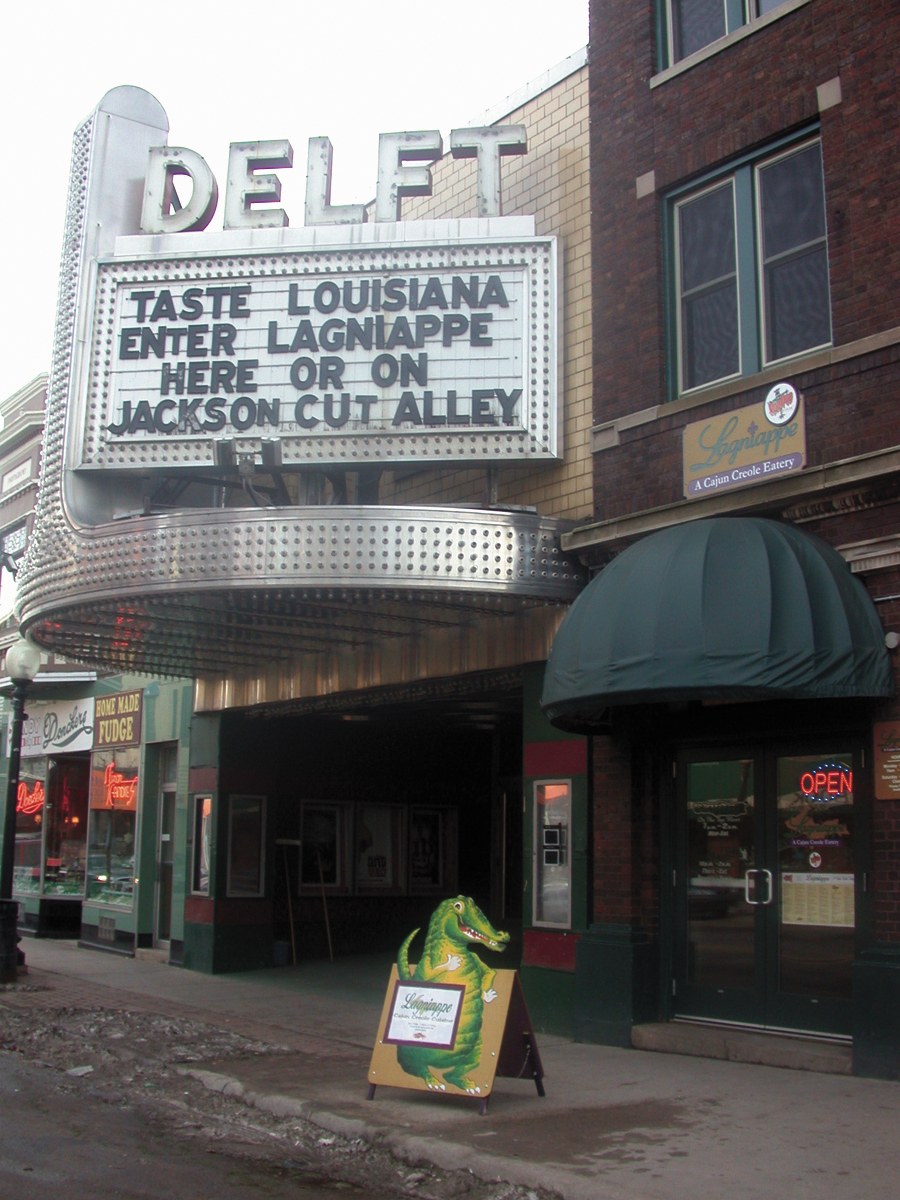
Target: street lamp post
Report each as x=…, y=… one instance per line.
x=22, y=663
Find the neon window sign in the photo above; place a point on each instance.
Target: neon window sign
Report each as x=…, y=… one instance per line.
x=826, y=783
x=119, y=791
x=30, y=802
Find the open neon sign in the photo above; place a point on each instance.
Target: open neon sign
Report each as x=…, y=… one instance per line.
x=826, y=782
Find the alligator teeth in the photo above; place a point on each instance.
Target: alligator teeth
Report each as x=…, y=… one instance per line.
x=475, y=936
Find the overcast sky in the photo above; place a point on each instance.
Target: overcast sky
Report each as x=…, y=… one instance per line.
x=228, y=72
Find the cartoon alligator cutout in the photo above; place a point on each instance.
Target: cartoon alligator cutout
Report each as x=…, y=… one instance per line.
x=456, y=926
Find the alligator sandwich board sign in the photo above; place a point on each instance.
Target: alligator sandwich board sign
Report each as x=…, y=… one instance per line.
x=450, y=1024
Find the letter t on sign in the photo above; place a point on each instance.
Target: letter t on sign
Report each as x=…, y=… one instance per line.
x=487, y=144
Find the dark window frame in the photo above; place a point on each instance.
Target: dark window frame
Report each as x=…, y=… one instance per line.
x=676, y=41
x=754, y=304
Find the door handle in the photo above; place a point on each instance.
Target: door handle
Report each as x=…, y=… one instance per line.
x=751, y=882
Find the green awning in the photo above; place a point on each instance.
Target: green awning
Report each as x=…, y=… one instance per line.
x=735, y=608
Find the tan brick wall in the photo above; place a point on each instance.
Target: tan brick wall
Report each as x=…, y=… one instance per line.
x=550, y=182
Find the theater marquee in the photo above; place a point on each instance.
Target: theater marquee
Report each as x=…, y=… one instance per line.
x=358, y=339
x=196, y=368
x=421, y=350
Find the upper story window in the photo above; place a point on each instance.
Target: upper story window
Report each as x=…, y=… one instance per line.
x=751, y=267
x=693, y=24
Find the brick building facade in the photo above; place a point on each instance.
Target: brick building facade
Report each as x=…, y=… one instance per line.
x=744, y=219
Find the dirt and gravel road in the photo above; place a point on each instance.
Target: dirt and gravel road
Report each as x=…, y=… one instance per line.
x=95, y=1094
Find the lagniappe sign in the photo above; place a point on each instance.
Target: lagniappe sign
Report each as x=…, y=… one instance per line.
x=751, y=445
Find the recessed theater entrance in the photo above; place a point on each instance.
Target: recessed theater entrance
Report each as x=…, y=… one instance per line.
x=375, y=812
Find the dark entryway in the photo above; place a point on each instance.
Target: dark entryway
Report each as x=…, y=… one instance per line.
x=373, y=816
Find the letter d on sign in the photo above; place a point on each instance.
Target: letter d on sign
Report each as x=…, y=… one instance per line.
x=161, y=212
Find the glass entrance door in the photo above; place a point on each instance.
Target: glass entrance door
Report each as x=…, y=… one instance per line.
x=165, y=852
x=765, y=888
x=164, y=870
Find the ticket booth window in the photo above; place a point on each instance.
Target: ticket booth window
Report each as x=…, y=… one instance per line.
x=552, y=853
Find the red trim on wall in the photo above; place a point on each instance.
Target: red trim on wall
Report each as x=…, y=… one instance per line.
x=565, y=757
x=203, y=779
x=244, y=912
x=199, y=910
x=543, y=948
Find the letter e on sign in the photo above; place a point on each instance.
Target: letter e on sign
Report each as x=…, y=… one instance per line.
x=246, y=187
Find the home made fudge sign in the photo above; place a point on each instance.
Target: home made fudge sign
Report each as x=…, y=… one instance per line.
x=335, y=355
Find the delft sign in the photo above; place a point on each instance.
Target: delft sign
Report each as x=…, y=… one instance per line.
x=345, y=341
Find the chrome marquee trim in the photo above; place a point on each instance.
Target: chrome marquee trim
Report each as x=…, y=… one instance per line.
x=217, y=590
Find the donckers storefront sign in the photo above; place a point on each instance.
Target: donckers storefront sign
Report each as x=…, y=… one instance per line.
x=752, y=445
x=57, y=727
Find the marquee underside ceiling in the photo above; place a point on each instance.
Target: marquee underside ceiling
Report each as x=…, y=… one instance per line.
x=235, y=631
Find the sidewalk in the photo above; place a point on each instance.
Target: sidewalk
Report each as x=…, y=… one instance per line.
x=614, y=1124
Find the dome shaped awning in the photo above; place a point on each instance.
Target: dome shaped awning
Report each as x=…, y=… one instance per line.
x=736, y=608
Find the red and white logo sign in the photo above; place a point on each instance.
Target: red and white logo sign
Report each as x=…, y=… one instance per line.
x=781, y=404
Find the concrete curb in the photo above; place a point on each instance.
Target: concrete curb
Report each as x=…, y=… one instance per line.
x=409, y=1148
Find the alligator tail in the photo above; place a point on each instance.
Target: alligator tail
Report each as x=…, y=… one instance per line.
x=403, y=967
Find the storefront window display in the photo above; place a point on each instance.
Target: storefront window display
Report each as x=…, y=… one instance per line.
x=816, y=873
x=371, y=849
x=113, y=817
x=65, y=836
x=323, y=834
x=379, y=838
x=31, y=799
x=432, y=850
